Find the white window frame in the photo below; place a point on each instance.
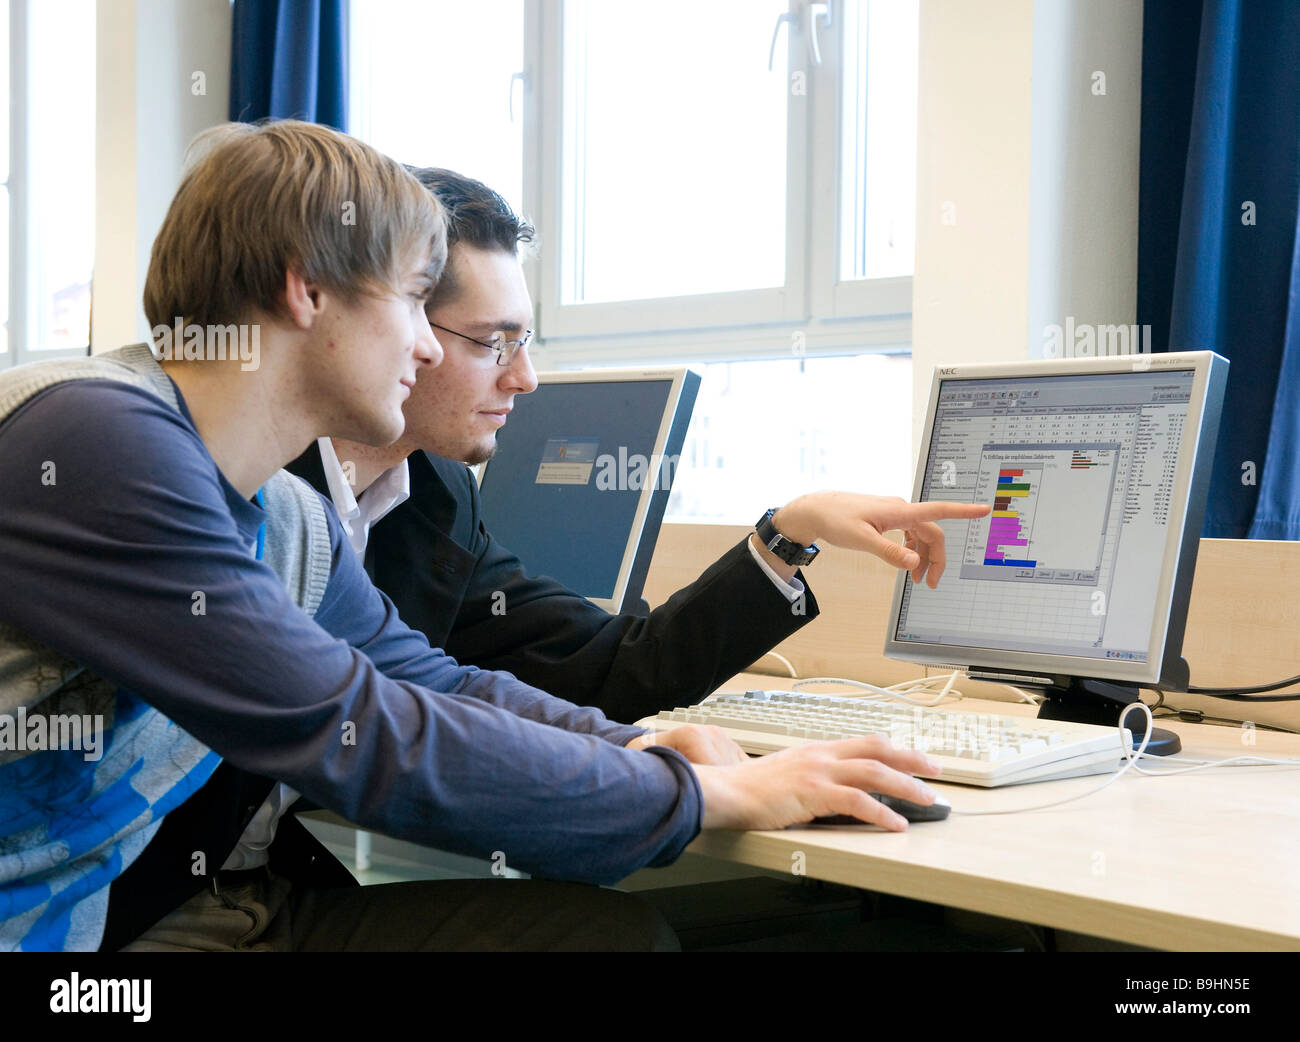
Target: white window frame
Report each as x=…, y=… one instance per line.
x=813, y=314
x=23, y=303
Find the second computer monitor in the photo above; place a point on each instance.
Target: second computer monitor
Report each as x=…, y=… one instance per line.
x=582, y=473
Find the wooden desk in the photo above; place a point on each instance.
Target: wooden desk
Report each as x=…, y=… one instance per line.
x=1209, y=860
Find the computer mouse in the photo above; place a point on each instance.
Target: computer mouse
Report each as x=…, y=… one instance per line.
x=913, y=812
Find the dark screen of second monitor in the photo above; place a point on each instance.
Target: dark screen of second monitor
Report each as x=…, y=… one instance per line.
x=570, y=527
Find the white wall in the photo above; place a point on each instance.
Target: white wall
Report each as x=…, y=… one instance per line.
x=147, y=109
x=1037, y=174
x=1083, y=198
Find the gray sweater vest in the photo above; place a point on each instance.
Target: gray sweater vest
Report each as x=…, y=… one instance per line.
x=38, y=681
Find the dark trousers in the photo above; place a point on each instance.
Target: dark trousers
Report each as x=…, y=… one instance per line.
x=261, y=911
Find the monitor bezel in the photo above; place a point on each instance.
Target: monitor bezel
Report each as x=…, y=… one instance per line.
x=677, y=377
x=1163, y=665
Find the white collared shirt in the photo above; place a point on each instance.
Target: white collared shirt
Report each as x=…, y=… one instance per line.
x=391, y=489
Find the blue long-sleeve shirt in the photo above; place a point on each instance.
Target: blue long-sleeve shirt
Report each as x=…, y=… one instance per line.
x=351, y=708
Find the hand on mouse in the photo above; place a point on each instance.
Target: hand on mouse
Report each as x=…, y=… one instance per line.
x=859, y=522
x=814, y=780
x=699, y=743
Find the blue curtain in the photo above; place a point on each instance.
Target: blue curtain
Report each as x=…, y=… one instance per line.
x=1218, y=250
x=288, y=60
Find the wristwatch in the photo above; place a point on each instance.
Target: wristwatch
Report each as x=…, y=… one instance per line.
x=787, y=549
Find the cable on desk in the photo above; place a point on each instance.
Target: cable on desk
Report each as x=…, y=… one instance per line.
x=1128, y=752
x=1230, y=761
x=1197, y=716
x=788, y=664
x=1243, y=693
x=900, y=692
x=1133, y=757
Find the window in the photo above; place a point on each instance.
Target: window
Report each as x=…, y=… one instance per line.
x=47, y=221
x=765, y=432
x=877, y=216
x=714, y=183
x=728, y=178
x=432, y=84
x=655, y=150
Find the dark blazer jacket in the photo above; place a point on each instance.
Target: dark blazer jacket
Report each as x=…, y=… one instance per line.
x=437, y=561
x=443, y=570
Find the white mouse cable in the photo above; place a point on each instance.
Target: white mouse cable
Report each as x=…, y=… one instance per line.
x=1201, y=765
x=1132, y=758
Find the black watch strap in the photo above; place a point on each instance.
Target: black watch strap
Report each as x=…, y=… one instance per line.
x=787, y=549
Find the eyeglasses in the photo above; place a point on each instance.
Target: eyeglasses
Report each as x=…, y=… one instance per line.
x=505, y=349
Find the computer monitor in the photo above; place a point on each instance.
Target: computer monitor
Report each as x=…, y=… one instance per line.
x=582, y=473
x=1077, y=583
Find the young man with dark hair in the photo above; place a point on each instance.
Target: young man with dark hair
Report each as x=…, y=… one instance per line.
x=166, y=584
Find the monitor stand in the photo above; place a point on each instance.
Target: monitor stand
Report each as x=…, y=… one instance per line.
x=1084, y=700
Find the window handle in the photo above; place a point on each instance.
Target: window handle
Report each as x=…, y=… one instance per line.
x=817, y=12
x=522, y=82
x=788, y=18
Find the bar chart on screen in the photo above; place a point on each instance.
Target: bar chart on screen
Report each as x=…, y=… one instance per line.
x=1012, y=521
x=1051, y=508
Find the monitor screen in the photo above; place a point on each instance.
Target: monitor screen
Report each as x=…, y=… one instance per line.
x=582, y=473
x=1087, y=468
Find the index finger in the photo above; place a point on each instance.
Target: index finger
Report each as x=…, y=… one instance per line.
x=938, y=509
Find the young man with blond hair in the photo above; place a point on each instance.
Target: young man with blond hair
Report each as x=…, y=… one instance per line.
x=163, y=579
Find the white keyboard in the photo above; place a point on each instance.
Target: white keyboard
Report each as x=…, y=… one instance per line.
x=972, y=748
